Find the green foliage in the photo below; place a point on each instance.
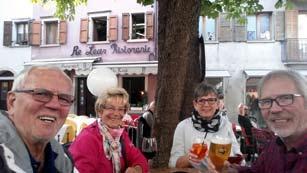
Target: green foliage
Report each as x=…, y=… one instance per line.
x=284, y=3
x=145, y=2
x=65, y=9
x=234, y=8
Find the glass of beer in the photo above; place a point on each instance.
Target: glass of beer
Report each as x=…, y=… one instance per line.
x=219, y=151
x=199, y=148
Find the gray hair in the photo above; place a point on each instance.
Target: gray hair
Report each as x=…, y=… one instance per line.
x=21, y=78
x=298, y=80
x=204, y=89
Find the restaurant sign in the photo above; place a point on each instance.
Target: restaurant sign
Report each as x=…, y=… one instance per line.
x=115, y=49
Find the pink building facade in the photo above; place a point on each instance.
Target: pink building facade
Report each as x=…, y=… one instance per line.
x=119, y=35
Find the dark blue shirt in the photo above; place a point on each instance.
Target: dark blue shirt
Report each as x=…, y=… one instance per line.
x=49, y=165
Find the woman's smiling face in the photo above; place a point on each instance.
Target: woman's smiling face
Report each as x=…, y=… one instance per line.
x=207, y=105
x=113, y=112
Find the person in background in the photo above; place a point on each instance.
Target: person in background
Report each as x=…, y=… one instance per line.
x=282, y=100
x=37, y=109
x=206, y=122
x=222, y=108
x=104, y=146
x=248, y=145
x=146, y=123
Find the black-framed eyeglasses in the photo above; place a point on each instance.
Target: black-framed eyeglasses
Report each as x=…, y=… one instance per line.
x=122, y=110
x=210, y=101
x=281, y=100
x=44, y=95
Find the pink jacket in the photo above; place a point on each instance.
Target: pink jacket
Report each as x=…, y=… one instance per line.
x=89, y=157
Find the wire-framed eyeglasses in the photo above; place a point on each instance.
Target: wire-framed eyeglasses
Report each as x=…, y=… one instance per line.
x=281, y=100
x=44, y=95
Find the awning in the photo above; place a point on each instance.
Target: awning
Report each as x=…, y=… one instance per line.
x=302, y=72
x=217, y=73
x=131, y=68
x=256, y=73
x=82, y=65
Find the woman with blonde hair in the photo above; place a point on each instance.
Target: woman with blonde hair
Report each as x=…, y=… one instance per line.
x=104, y=146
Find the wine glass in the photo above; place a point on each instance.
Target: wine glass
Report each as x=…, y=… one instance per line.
x=149, y=147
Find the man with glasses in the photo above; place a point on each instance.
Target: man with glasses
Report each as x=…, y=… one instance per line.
x=38, y=105
x=283, y=103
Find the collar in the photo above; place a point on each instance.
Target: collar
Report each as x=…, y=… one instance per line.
x=298, y=146
x=49, y=164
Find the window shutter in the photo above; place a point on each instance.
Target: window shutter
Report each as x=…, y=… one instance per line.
x=7, y=33
x=149, y=25
x=83, y=30
x=35, y=38
x=279, y=25
x=239, y=31
x=125, y=25
x=291, y=23
x=113, y=28
x=225, y=32
x=63, y=31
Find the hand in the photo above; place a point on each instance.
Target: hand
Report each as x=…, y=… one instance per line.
x=193, y=158
x=136, y=169
x=226, y=169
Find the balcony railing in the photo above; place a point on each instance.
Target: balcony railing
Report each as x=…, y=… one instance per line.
x=295, y=50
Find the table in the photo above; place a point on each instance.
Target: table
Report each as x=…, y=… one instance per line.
x=174, y=170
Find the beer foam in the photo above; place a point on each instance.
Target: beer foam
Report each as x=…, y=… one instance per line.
x=220, y=140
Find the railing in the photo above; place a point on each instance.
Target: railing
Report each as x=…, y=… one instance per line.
x=295, y=50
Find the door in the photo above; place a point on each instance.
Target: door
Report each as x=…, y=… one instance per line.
x=85, y=99
x=5, y=87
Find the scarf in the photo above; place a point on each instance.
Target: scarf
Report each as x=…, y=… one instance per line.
x=111, y=145
x=202, y=125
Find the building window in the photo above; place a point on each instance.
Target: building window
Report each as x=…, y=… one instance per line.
x=16, y=32
x=135, y=87
x=210, y=27
x=50, y=32
x=21, y=33
x=138, y=26
x=259, y=27
x=99, y=28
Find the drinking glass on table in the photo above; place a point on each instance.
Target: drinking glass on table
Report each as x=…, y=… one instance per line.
x=149, y=147
x=219, y=151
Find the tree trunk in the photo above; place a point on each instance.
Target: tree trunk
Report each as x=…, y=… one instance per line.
x=178, y=72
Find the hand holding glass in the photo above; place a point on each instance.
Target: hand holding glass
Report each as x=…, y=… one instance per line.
x=219, y=151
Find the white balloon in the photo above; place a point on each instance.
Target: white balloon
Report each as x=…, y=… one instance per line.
x=101, y=79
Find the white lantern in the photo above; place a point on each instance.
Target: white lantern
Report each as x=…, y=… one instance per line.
x=101, y=79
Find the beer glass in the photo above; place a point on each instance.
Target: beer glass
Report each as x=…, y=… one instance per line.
x=219, y=151
x=199, y=148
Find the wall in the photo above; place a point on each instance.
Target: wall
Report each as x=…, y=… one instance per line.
x=117, y=8
x=239, y=56
x=12, y=58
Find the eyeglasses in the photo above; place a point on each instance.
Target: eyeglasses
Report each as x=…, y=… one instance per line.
x=210, y=101
x=113, y=109
x=281, y=100
x=43, y=95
